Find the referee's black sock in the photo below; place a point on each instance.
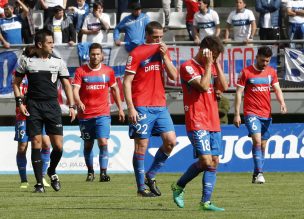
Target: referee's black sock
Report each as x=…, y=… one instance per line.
x=55, y=158
x=37, y=165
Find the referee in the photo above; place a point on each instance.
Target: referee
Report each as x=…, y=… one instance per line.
x=42, y=108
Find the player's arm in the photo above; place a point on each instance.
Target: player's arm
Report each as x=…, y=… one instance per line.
x=202, y=84
x=77, y=99
x=169, y=67
x=237, y=105
x=19, y=103
x=127, y=83
x=69, y=93
x=280, y=97
x=116, y=95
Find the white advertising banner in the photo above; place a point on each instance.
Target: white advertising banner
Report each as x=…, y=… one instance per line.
x=120, y=146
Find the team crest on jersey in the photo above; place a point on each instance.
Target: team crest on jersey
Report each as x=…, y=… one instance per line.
x=189, y=70
x=54, y=77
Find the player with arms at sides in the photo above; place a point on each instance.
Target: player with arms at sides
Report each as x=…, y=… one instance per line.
x=22, y=138
x=256, y=82
x=146, y=101
x=42, y=107
x=91, y=93
x=200, y=77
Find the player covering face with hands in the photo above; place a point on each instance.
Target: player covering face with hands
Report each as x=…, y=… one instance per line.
x=147, y=112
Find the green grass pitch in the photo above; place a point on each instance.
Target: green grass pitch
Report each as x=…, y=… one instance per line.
x=281, y=197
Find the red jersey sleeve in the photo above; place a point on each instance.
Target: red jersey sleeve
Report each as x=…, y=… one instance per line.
x=132, y=63
x=78, y=77
x=274, y=77
x=189, y=73
x=241, y=81
x=112, y=80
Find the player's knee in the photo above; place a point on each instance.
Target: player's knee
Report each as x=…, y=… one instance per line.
x=205, y=161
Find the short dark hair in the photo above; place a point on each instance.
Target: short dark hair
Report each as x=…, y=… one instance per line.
x=95, y=46
x=97, y=3
x=213, y=43
x=153, y=25
x=264, y=51
x=207, y=2
x=40, y=36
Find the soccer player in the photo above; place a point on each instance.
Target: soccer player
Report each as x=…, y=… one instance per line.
x=146, y=101
x=256, y=82
x=200, y=77
x=22, y=138
x=91, y=93
x=42, y=107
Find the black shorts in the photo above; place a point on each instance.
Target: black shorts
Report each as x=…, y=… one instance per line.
x=46, y=113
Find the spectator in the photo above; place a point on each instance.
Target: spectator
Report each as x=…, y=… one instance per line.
x=12, y=35
x=295, y=11
x=28, y=28
x=62, y=27
x=96, y=25
x=192, y=7
x=270, y=19
x=167, y=5
x=49, y=7
x=243, y=22
x=134, y=28
x=78, y=15
x=223, y=106
x=206, y=22
x=122, y=6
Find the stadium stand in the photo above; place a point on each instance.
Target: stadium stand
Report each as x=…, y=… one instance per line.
x=157, y=16
x=124, y=14
x=112, y=19
x=177, y=20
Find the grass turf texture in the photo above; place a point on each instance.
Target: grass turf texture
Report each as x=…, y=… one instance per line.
x=280, y=197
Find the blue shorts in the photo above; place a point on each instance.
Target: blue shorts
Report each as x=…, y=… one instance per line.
x=152, y=121
x=256, y=124
x=98, y=127
x=20, y=131
x=205, y=143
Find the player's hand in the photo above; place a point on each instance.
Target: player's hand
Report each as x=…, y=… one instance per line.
x=23, y=110
x=283, y=109
x=132, y=115
x=72, y=114
x=237, y=121
x=81, y=107
x=207, y=54
x=163, y=49
x=121, y=116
